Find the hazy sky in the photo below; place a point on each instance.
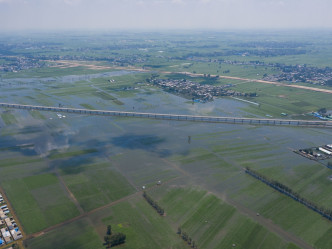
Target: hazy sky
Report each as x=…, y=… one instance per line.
x=164, y=14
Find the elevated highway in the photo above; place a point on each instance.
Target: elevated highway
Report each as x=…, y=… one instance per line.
x=192, y=118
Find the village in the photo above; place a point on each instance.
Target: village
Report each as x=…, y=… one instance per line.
x=19, y=63
x=9, y=230
x=196, y=91
x=288, y=73
x=302, y=73
x=291, y=73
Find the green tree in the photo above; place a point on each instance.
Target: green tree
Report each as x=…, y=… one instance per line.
x=117, y=239
x=109, y=230
x=107, y=240
x=322, y=110
x=179, y=230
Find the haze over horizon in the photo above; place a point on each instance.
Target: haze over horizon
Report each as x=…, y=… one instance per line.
x=164, y=14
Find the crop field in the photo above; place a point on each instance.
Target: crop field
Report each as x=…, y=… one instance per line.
x=146, y=229
x=96, y=185
x=143, y=228
x=220, y=168
x=59, y=155
x=212, y=223
x=39, y=201
x=8, y=118
x=54, y=71
x=288, y=214
x=82, y=235
x=275, y=100
x=144, y=169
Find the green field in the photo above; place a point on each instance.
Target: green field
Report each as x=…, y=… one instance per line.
x=8, y=118
x=59, y=155
x=76, y=235
x=96, y=185
x=275, y=100
x=143, y=228
x=39, y=201
x=211, y=223
x=7, y=162
x=214, y=224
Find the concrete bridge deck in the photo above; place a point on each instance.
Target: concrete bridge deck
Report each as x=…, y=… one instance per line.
x=192, y=118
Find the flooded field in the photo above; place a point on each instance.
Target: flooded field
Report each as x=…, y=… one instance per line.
x=104, y=159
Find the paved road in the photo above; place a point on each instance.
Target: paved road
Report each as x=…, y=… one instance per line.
x=177, y=117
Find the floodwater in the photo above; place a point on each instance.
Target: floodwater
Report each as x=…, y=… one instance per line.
x=146, y=151
x=111, y=135
x=64, y=79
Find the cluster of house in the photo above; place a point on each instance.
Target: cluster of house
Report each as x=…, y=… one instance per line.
x=289, y=73
x=197, y=91
x=302, y=73
x=9, y=230
x=320, y=153
x=15, y=64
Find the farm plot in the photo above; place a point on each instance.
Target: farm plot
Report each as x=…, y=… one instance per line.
x=79, y=234
x=212, y=223
x=142, y=225
x=275, y=100
x=143, y=229
x=96, y=184
x=144, y=168
x=39, y=201
x=287, y=213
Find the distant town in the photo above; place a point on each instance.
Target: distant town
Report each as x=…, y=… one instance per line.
x=285, y=73
x=302, y=73
x=290, y=73
x=19, y=63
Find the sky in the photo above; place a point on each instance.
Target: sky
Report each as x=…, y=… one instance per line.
x=164, y=14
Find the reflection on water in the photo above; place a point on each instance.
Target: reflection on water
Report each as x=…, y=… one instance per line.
x=116, y=135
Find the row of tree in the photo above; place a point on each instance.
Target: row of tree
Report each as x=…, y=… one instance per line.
x=113, y=239
x=153, y=203
x=325, y=212
x=186, y=238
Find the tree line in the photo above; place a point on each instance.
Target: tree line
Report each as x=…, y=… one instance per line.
x=187, y=238
x=153, y=203
x=113, y=239
x=325, y=212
